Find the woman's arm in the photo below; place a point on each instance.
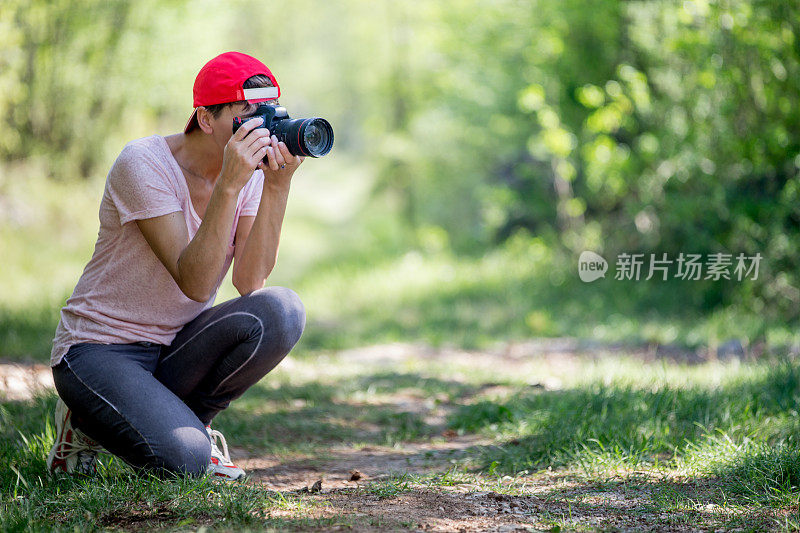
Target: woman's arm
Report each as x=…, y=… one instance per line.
x=196, y=265
x=257, y=238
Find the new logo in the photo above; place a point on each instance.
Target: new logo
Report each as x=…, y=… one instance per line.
x=591, y=266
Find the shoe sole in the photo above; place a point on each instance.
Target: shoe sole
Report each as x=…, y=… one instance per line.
x=225, y=477
x=213, y=470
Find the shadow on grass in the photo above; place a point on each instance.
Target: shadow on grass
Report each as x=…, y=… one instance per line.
x=762, y=473
x=586, y=426
x=477, y=315
x=744, y=432
x=640, y=502
x=376, y=383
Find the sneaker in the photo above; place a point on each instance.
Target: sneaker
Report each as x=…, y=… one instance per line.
x=73, y=452
x=221, y=464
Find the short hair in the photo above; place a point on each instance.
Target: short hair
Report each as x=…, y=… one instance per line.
x=253, y=82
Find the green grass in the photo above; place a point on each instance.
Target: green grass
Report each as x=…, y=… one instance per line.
x=752, y=469
x=515, y=292
x=713, y=444
x=652, y=420
x=118, y=497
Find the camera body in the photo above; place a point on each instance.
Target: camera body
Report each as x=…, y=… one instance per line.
x=310, y=137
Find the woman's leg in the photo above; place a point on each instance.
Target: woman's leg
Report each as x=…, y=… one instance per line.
x=116, y=401
x=228, y=348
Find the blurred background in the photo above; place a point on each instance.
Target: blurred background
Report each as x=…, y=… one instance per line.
x=480, y=147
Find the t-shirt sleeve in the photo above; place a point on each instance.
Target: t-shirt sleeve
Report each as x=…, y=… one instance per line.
x=252, y=195
x=139, y=186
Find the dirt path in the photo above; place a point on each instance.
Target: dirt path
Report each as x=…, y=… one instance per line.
x=367, y=464
x=378, y=488
x=548, y=501
x=20, y=381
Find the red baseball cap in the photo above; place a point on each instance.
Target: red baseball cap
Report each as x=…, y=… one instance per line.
x=220, y=82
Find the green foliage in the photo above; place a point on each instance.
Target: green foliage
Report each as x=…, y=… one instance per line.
x=75, y=76
x=613, y=126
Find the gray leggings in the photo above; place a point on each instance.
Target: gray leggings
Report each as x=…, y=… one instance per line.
x=149, y=403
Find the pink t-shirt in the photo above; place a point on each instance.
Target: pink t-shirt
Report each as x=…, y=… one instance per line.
x=125, y=294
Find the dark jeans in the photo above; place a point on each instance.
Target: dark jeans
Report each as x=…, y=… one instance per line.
x=149, y=404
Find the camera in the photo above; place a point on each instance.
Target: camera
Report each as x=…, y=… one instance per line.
x=312, y=137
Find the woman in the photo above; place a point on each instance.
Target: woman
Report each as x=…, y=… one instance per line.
x=141, y=360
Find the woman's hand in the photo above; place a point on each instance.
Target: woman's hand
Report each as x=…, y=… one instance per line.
x=280, y=163
x=243, y=153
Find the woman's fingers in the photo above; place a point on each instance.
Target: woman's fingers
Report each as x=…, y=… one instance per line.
x=271, y=162
x=275, y=156
x=259, y=156
x=258, y=139
x=247, y=127
x=284, y=151
x=278, y=157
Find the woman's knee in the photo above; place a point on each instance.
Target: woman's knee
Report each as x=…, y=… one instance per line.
x=188, y=452
x=283, y=313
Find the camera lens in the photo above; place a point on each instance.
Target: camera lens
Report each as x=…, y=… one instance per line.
x=307, y=136
x=313, y=137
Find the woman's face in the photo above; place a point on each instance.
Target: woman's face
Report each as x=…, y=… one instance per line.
x=223, y=125
x=246, y=109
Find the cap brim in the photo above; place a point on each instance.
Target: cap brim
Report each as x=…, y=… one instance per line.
x=192, y=124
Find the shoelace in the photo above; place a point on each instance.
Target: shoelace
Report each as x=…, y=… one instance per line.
x=80, y=445
x=214, y=434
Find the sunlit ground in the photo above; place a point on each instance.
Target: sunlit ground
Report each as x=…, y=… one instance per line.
x=450, y=439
